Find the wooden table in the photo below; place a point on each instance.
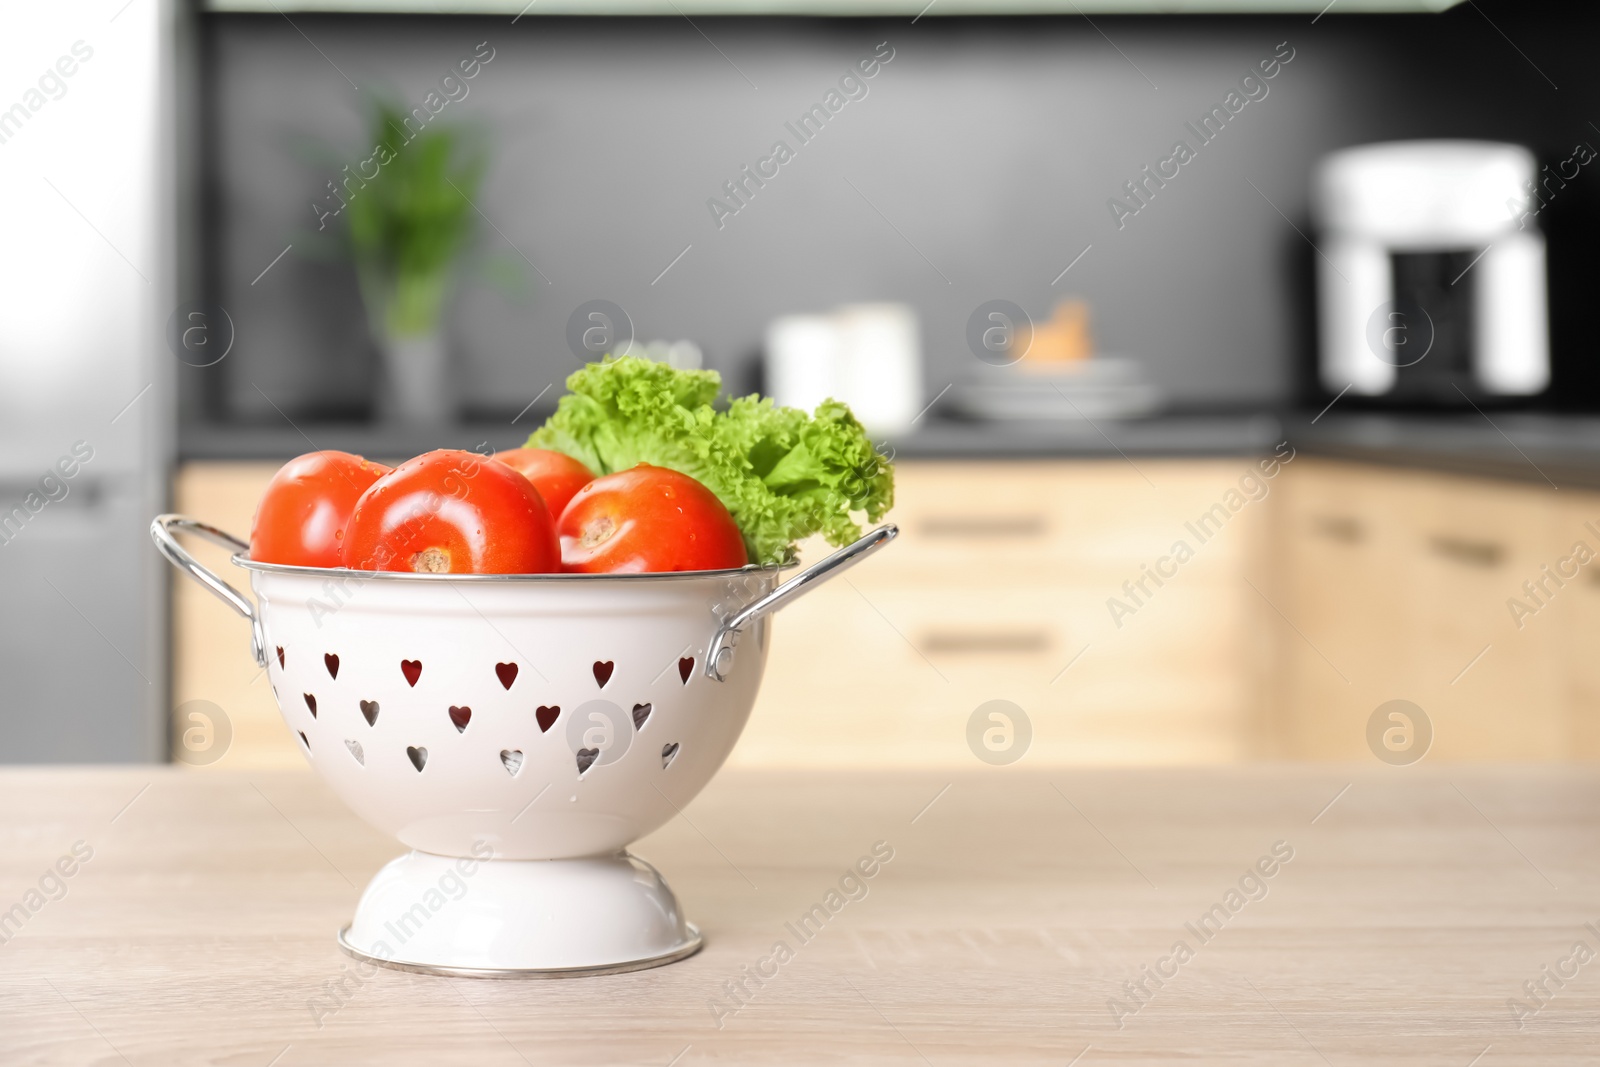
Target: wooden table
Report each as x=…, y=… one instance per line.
x=1016, y=907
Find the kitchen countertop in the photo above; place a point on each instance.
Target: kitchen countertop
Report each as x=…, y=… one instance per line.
x=934, y=438
x=1558, y=450
x=1561, y=450
x=1405, y=907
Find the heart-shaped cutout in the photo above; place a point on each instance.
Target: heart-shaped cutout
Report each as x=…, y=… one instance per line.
x=685, y=668
x=412, y=669
x=460, y=716
x=586, y=758
x=667, y=754
x=357, y=752
x=506, y=672
x=512, y=758
x=311, y=702
x=303, y=740
x=602, y=671
x=369, y=711
x=641, y=712
x=331, y=661
x=280, y=655
x=418, y=755
x=547, y=718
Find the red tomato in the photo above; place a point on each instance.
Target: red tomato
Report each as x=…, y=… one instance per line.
x=306, y=509
x=451, y=512
x=648, y=519
x=556, y=475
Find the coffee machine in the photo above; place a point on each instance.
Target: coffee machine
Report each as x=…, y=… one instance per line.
x=1431, y=273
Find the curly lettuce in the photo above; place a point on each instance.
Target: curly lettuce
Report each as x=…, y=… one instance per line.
x=784, y=475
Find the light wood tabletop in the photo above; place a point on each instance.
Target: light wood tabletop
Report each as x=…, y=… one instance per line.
x=1420, y=915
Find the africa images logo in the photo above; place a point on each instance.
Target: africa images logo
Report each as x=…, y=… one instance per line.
x=1252, y=86
x=852, y=86
x=453, y=85
x=51, y=82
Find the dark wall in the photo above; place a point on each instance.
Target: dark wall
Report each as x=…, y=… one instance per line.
x=978, y=165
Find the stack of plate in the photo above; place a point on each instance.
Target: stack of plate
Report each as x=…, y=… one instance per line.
x=1105, y=387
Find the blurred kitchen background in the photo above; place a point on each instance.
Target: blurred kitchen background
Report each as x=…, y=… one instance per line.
x=1082, y=348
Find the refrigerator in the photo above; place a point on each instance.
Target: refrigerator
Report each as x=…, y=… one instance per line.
x=87, y=150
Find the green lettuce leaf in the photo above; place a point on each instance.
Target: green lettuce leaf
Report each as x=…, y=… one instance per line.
x=783, y=475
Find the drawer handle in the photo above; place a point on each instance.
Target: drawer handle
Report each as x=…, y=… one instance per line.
x=985, y=526
x=1472, y=553
x=1342, y=528
x=970, y=641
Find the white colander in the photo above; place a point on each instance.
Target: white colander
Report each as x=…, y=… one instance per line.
x=540, y=723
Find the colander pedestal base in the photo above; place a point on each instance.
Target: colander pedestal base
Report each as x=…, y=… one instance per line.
x=518, y=918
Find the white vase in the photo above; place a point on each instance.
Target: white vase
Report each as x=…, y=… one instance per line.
x=416, y=383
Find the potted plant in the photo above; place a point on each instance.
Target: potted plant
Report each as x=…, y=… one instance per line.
x=408, y=226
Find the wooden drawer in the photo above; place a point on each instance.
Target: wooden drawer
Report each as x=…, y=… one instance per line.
x=1040, y=629
x=1475, y=543
x=978, y=523
x=875, y=672
x=1347, y=576
x=1352, y=645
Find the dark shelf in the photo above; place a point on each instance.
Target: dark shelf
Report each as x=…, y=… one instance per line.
x=1188, y=435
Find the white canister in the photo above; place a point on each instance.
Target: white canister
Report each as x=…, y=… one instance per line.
x=880, y=370
x=867, y=355
x=802, y=360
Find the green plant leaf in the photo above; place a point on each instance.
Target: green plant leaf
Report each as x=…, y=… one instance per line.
x=409, y=222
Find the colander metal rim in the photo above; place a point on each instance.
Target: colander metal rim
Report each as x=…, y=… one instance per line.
x=246, y=563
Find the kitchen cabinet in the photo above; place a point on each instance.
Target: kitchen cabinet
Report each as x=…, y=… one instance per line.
x=1398, y=584
x=1344, y=586
x=997, y=589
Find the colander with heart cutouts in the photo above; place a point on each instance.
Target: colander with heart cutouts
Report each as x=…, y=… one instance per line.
x=517, y=732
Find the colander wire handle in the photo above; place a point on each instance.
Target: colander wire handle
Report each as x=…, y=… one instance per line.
x=720, y=658
x=163, y=531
